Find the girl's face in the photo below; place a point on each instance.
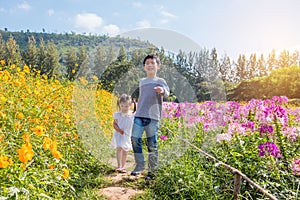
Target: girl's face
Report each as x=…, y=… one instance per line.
x=125, y=106
x=151, y=67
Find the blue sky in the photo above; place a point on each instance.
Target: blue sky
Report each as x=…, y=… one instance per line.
x=231, y=26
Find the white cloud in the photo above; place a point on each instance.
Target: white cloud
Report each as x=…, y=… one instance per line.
x=50, y=12
x=24, y=6
x=111, y=30
x=143, y=24
x=88, y=22
x=166, y=16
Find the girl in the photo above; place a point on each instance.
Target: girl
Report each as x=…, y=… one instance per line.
x=123, y=121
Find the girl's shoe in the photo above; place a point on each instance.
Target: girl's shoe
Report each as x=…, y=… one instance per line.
x=119, y=169
x=123, y=170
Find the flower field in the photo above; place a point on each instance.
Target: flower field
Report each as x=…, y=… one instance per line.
x=42, y=155
x=259, y=138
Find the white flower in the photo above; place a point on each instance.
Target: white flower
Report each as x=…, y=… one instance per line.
x=25, y=191
x=224, y=136
x=13, y=191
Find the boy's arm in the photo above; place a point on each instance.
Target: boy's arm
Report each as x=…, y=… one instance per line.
x=163, y=89
x=117, y=128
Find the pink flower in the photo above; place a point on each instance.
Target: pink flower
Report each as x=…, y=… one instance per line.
x=296, y=167
x=269, y=149
x=163, y=137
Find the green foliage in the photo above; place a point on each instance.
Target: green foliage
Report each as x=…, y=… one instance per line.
x=115, y=72
x=281, y=82
x=12, y=53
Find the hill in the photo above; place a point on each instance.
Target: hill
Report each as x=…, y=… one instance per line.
x=66, y=40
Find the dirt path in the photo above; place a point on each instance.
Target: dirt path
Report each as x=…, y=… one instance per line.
x=121, y=186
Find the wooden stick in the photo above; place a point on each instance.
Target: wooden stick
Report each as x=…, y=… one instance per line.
x=234, y=170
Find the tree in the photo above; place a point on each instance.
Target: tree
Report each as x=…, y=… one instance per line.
x=83, y=62
x=113, y=74
x=213, y=67
x=261, y=65
x=110, y=56
x=12, y=55
x=82, y=55
x=52, y=60
x=295, y=58
x=122, y=54
x=99, y=61
x=71, y=64
x=253, y=71
x=41, y=56
x=2, y=48
x=225, y=68
x=284, y=59
x=271, y=62
x=241, y=68
x=31, y=57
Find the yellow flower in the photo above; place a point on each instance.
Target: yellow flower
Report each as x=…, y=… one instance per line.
x=50, y=108
x=73, y=71
x=45, y=76
x=26, y=69
x=5, y=161
x=20, y=115
x=23, y=166
x=26, y=137
x=2, y=136
x=76, y=65
x=95, y=78
x=18, y=83
x=56, y=154
x=50, y=167
x=3, y=115
x=39, y=130
x=53, y=146
x=18, y=125
x=47, y=143
x=83, y=81
x=25, y=153
x=2, y=62
x=75, y=136
x=66, y=174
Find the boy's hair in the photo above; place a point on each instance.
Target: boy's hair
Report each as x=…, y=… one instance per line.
x=151, y=56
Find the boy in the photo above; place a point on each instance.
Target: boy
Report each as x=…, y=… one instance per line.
x=152, y=89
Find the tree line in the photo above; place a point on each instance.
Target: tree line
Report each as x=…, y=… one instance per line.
x=202, y=73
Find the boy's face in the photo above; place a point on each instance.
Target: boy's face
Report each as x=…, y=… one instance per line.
x=151, y=67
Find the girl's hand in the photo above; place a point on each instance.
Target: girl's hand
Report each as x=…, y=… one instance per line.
x=159, y=90
x=121, y=131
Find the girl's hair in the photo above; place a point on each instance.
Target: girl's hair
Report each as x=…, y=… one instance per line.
x=124, y=98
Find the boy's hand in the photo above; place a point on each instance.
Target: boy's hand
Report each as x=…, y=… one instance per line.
x=121, y=131
x=159, y=90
